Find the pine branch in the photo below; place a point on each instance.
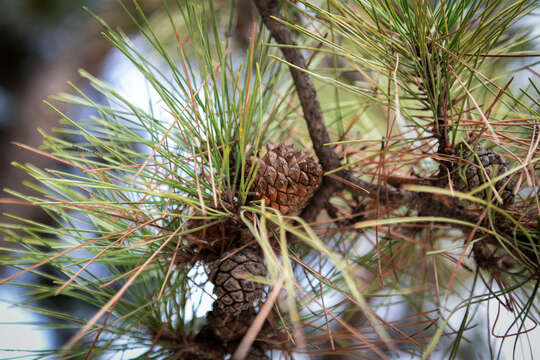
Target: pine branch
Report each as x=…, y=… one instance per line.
x=149, y=230
x=269, y=11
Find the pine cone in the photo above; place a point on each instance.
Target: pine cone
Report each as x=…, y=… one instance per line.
x=468, y=177
x=234, y=292
x=256, y=353
x=231, y=329
x=286, y=178
x=228, y=327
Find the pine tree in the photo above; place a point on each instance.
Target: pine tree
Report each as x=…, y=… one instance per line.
x=359, y=157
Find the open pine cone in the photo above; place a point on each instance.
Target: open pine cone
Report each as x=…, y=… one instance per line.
x=234, y=292
x=286, y=178
x=469, y=175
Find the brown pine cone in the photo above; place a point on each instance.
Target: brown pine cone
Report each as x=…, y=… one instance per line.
x=286, y=178
x=256, y=352
x=231, y=329
x=228, y=327
x=467, y=176
x=234, y=292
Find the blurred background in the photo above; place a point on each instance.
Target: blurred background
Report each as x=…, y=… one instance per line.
x=43, y=43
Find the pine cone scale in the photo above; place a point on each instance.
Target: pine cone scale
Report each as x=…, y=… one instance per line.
x=231, y=285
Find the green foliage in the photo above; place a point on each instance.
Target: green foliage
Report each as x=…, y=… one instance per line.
x=138, y=176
